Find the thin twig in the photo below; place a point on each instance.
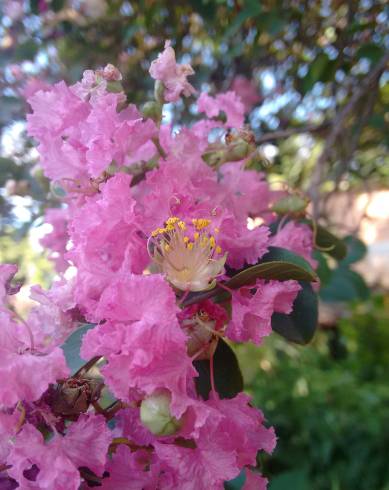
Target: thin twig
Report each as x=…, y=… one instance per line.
x=337, y=128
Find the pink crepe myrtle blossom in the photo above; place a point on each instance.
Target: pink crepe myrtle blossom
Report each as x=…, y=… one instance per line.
x=252, y=312
x=153, y=233
x=246, y=90
x=229, y=103
x=57, y=239
x=172, y=75
x=36, y=464
x=296, y=237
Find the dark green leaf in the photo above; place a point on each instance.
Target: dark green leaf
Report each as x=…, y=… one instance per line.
x=72, y=346
x=252, y=8
x=329, y=243
x=371, y=51
x=278, y=264
x=301, y=324
x=344, y=285
x=237, y=483
x=57, y=5
x=288, y=480
x=356, y=250
x=228, y=377
x=34, y=6
x=321, y=69
x=323, y=270
x=26, y=51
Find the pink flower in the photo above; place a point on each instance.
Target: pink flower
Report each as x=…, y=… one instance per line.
x=229, y=103
x=251, y=313
x=34, y=85
x=143, y=342
x=245, y=191
x=229, y=439
x=254, y=481
x=106, y=239
x=246, y=90
x=109, y=135
x=36, y=464
x=53, y=319
x=243, y=245
x=58, y=237
x=7, y=271
x=54, y=111
x=129, y=471
x=172, y=75
x=296, y=237
x=25, y=374
x=9, y=422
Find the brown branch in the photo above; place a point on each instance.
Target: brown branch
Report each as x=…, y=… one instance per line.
x=285, y=133
x=337, y=127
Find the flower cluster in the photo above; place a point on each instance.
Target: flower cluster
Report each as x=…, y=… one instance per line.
x=154, y=233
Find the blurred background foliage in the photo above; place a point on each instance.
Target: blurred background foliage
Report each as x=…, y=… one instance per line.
x=319, y=95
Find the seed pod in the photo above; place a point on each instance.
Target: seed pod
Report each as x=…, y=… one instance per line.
x=156, y=416
x=292, y=205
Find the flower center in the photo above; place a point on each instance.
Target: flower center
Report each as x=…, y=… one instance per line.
x=187, y=253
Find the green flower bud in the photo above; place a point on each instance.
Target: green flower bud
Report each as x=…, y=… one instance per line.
x=293, y=205
x=159, y=92
x=156, y=416
x=152, y=110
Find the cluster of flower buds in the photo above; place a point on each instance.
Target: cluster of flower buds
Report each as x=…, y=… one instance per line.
x=153, y=223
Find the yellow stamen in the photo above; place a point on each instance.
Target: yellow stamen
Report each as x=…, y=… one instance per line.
x=218, y=250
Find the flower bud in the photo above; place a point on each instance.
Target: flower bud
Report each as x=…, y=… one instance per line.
x=159, y=92
x=152, y=110
x=156, y=416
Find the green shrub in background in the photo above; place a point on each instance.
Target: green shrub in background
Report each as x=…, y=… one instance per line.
x=329, y=403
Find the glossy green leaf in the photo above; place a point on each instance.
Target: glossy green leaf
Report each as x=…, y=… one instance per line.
x=278, y=264
x=72, y=347
x=356, y=250
x=228, y=377
x=345, y=285
x=329, y=243
x=323, y=270
x=301, y=324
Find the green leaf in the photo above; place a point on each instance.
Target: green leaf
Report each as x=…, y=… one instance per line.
x=72, y=347
x=345, y=285
x=288, y=480
x=278, y=264
x=322, y=69
x=26, y=51
x=323, y=270
x=227, y=375
x=371, y=51
x=356, y=250
x=237, y=483
x=251, y=8
x=330, y=244
x=301, y=324
x=57, y=5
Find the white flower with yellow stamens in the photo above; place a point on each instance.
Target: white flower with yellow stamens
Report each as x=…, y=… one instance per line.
x=187, y=254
